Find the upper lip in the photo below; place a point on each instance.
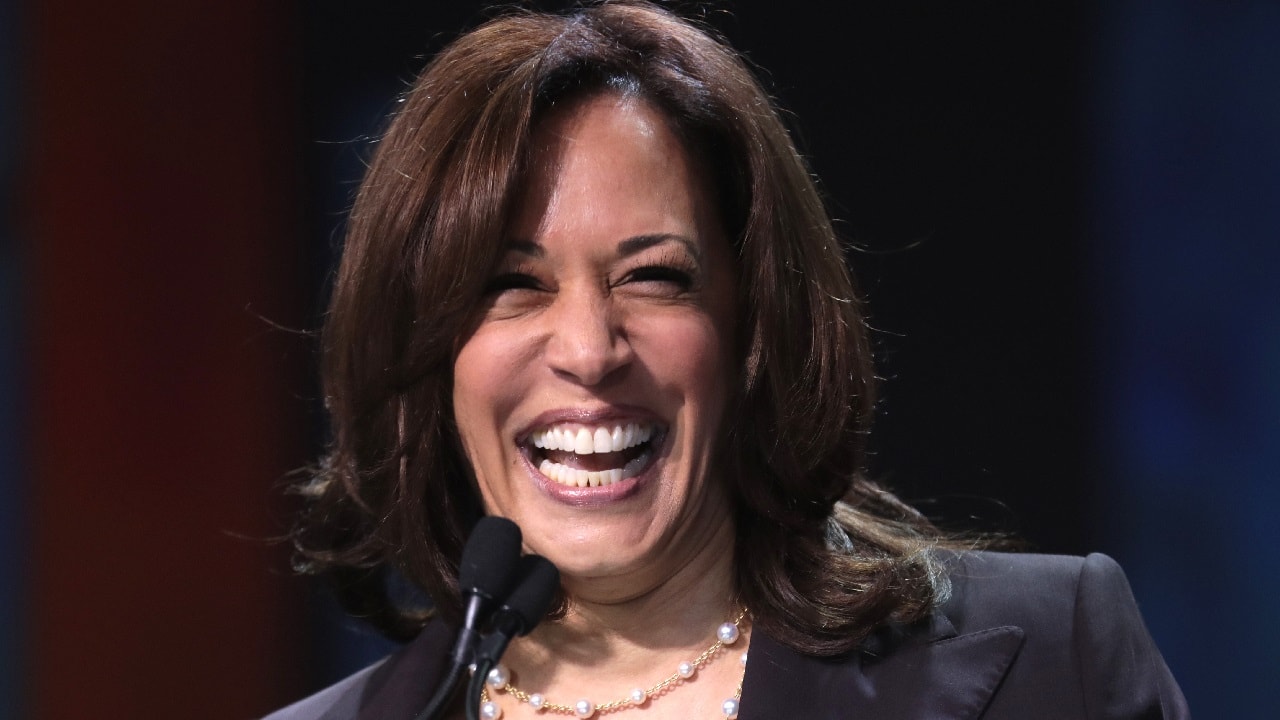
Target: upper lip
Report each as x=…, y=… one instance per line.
x=611, y=414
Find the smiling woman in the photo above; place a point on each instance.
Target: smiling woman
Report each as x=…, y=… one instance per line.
x=613, y=313
x=589, y=286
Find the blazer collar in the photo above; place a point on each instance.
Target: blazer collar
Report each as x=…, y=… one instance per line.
x=923, y=671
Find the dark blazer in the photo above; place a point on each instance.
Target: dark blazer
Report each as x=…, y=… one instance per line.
x=1022, y=636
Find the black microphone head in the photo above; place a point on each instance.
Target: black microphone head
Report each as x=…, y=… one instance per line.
x=488, y=565
x=531, y=597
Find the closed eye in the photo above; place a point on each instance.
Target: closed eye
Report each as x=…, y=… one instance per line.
x=511, y=281
x=663, y=274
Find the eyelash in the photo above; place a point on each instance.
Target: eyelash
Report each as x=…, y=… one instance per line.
x=516, y=280
x=662, y=273
x=511, y=281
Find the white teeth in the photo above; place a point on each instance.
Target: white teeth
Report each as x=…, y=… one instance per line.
x=584, y=441
x=574, y=477
x=602, y=441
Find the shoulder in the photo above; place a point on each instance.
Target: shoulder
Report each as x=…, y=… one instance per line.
x=1043, y=636
x=393, y=688
x=1020, y=589
x=1079, y=621
x=340, y=700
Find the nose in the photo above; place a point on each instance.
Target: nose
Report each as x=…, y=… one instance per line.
x=587, y=340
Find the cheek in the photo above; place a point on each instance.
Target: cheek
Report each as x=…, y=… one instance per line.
x=484, y=391
x=693, y=359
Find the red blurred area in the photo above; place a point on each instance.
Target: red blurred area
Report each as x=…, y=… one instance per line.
x=159, y=201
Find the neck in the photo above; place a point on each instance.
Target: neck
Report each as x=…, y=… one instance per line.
x=619, y=639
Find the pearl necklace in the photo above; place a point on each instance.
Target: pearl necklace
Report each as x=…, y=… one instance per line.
x=499, y=680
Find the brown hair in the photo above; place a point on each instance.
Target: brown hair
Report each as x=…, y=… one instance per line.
x=823, y=555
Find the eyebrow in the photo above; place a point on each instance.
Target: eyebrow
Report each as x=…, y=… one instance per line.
x=626, y=248
x=633, y=245
x=526, y=247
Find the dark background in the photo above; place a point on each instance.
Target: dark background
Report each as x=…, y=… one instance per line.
x=1064, y=218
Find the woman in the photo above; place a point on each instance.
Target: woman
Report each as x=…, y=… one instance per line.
x=588, y=285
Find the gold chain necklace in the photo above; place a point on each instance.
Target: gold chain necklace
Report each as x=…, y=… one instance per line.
x=499, y=680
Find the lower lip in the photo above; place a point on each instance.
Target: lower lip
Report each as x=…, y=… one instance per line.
x=588, y=496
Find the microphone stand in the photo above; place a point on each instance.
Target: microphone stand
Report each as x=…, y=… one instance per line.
x=521, y=611
x=476, y=686
x=490, y=561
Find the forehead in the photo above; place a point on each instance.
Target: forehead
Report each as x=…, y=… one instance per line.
x=612, y=160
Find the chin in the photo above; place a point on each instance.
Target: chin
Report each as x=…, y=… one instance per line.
x=590, y=549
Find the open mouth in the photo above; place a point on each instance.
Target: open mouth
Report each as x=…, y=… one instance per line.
x=593, y=456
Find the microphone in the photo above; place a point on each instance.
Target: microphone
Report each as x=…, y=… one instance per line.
x=485, y=573
x=520, y=612
x=524, y=607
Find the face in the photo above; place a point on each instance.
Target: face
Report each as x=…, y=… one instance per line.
x=590, y=398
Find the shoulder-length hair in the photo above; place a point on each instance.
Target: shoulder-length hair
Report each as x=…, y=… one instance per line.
x=822, y=554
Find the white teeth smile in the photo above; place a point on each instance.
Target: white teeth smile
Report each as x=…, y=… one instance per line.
x=590, y=441
x=585, y=442
x=566, y=475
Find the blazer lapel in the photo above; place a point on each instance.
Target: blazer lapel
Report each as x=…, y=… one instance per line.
x=922, y=672
x=400, y=688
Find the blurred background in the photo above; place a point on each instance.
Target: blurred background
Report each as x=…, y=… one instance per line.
x=1067, y=222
